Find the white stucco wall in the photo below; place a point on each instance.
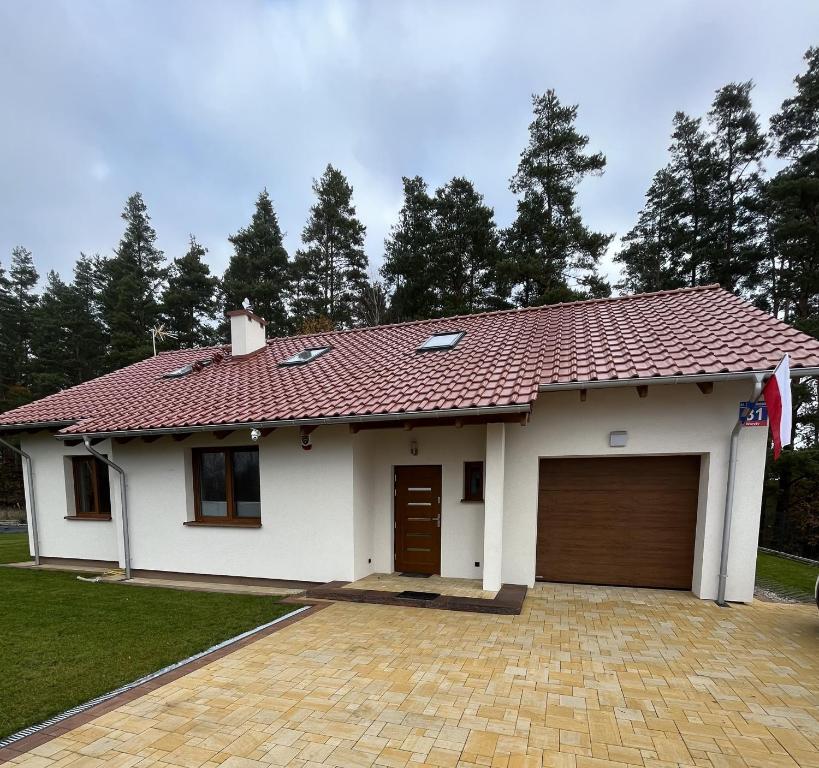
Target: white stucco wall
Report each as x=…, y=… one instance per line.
x=461, y=523
x=53, y=487
x=671, y=419
x=306, y=509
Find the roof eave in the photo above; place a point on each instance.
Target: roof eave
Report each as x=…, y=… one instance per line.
x=637, y=381
x=36, y=425
x=498, y=410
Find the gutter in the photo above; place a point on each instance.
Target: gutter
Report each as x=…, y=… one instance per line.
x=317, y=422
x=126, y=539
x=729, y=494
x=796, y=373
x=35, y=539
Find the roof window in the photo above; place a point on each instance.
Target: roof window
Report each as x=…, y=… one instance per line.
x=305, y=356
x=441, y=341
x=178, y=373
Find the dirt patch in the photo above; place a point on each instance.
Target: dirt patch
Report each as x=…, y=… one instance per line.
x=769, y=596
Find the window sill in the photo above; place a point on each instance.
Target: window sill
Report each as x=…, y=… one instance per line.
x=223, y=523
x=471, y=501
x=87, y=517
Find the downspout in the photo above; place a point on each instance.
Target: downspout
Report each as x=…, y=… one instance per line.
x=126, y=540
x=35, y=540
x=729, y=493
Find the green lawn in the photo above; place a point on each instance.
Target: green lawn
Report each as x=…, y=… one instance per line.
x=14, y=547
x=785, y=576
x=65, y=641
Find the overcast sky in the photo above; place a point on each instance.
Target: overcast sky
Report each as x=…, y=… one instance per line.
x=199, y=105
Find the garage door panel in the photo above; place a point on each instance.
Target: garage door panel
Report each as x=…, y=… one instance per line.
x=654, y=505
x=622, y=521
x=646, y=542
x=639, y=472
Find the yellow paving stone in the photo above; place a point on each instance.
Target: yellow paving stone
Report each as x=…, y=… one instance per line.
x=481, y=743
x=618, y=676
x=627, y=755
x=603, y=727
x=234, y=761
x=672, y=749
x=524, y=761
x=593, y=762
x=280, y=755
x=727, y=761
x=443, y=758
x=393, y=758
x=36, y=761
x=559, y=760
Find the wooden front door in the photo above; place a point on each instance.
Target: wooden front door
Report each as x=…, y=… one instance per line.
x=628, y=521
x=418, y=519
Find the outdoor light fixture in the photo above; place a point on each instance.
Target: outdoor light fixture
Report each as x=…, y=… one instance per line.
x=618, y=439
x=414, y=447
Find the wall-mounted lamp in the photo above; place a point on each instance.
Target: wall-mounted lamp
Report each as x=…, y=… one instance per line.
x=414, y=447
x=618, y=439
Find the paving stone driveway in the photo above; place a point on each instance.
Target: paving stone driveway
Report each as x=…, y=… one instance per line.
x=586, y=677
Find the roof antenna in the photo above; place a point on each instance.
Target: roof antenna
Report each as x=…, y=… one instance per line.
x=159, y=332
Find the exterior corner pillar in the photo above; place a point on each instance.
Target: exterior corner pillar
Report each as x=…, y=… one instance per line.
x=493, y=506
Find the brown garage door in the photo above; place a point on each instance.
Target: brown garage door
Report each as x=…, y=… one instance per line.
x=625, y=521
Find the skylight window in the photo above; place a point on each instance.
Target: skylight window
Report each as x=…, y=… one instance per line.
x=441, y=341
x=178, y=373
x=305, y=356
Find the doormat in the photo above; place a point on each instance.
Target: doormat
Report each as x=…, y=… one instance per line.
x=410, y=595
x=416, y=575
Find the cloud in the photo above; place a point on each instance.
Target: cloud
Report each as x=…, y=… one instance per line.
x=200, y=104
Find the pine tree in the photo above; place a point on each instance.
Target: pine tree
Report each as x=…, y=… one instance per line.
x=259, y=269
x=693, y=171
x=189, y=301
x=794, y=199
x=50, y=339
x=548, y=245
x=6, y=337
x=702, y=221
x=650, y=251
x=330, y=272
x=791, y=205
x=89, y=341
x=407, y=264
x=68, y=341
x=22, y=301
x=465, y=251
x=132, y=280
x=739, y=146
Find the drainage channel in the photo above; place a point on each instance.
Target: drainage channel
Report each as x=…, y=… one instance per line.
x=32, y=729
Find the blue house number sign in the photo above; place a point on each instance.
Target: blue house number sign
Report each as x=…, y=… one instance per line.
x=757, y=416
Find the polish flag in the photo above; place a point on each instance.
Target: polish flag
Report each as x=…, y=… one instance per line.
x=777, y=393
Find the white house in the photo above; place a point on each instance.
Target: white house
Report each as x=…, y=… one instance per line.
x=585, y=442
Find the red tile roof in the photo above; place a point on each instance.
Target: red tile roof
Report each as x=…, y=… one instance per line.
x=501, y=361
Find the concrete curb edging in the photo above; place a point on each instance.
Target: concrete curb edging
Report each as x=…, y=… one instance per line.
x=787, y=556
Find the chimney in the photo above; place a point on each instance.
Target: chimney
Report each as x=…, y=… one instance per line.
x=246, y=332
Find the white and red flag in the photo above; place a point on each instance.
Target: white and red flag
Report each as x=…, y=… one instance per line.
x=777, y=393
